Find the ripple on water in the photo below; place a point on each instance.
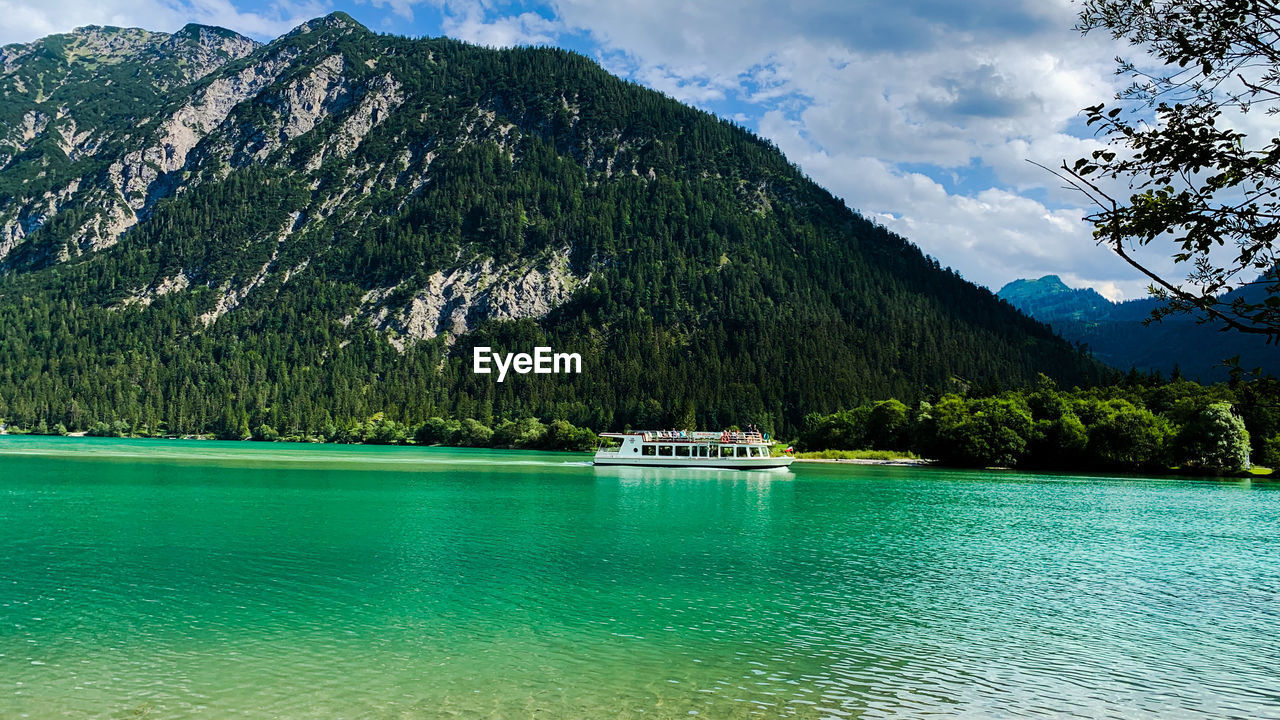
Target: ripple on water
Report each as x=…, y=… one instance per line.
x=224, y=588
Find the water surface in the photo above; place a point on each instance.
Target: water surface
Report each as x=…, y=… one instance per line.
x=199, y=579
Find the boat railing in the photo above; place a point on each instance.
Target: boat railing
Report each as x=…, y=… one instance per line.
x=739, y=437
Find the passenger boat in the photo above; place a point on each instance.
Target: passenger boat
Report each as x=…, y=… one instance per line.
x=685, y=448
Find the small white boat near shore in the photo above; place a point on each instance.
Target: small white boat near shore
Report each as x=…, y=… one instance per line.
x=730, y=449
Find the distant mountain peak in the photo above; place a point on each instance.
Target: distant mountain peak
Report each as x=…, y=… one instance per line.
x=1050, y=300
x=207, y=48
x=106, y=42
x=336, y=20
x=1121, y=335
x=108, y=30
x=196, y=31
x=1043, y=284
x=203, y=46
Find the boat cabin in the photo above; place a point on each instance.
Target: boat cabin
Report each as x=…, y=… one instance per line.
x=683, y=447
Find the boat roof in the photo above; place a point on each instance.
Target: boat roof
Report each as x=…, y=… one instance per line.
x=741, y=436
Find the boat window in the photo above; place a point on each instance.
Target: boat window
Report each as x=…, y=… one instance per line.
x=682, y=451
x=742, y=451
x=664, y=450
x=649, y=449
x=726, y=451
x=702, y=451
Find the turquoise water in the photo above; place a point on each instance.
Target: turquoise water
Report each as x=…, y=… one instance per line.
x=200, y=579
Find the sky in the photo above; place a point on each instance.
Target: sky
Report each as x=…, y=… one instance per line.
x=924, y=115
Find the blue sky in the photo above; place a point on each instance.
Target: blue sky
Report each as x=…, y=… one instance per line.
x=922, y=114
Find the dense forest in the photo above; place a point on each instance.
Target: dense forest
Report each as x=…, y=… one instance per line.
x=277, y=274
x=1142, y=424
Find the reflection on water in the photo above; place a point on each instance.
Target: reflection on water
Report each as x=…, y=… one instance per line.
x=403, y=583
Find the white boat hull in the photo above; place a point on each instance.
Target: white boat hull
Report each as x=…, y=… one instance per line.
x=746, y=463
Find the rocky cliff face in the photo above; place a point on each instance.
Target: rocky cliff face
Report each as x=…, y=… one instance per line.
x=453, y=302
x=79, y=103
x=300, y=104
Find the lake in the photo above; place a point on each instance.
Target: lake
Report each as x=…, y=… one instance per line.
x=148, y=578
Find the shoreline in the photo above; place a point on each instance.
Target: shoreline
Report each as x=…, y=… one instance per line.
x=1255, y=474
x=903, y=462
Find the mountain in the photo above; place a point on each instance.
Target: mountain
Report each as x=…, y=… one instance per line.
x=198, y=230
x=70, y=104
x=1119, y=334
x=1049, y=300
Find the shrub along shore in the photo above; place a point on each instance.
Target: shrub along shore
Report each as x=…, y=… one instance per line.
x=1144, y=425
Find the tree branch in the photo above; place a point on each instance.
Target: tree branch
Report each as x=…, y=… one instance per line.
x=1115, y=241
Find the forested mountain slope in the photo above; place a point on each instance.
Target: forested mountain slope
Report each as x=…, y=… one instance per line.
x=1049, y=300
x=197, y=230
x=1120, y=335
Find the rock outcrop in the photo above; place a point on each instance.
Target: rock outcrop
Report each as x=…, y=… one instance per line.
x=456, y=301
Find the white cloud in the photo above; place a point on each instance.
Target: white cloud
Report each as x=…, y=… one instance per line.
x=991, y=237
x=683, y=89
x=524, y=29
x=1108, y=290
x=857, y=92
x=402, y=8
x=492, y=23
